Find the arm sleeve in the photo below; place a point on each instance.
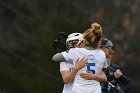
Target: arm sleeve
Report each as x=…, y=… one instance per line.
x=64, y=66
x=58, y=57
x=64, y=56
x=110, y=77
x=67, y=55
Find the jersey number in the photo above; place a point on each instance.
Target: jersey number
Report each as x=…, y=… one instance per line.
x=89, y=67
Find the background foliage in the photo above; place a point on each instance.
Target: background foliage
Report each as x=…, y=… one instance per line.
x=28, y=28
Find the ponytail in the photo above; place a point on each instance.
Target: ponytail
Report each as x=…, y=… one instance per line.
x=93, y=35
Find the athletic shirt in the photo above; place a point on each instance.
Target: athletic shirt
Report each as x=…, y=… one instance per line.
x=67, y=66
x=96, y=62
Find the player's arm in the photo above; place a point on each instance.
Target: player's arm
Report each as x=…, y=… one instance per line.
x=116, y=72
x=101, y=77
x=58, y=57
x=69, y=75
x=64, y=56
x=90, y=76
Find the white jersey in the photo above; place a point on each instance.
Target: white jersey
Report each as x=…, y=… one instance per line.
x=96, y=62
x=66, y=66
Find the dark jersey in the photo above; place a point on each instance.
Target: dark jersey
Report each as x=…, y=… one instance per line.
x=115, y=85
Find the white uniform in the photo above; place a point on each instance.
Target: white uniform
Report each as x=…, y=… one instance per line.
x=66, y=66
x=96, y=62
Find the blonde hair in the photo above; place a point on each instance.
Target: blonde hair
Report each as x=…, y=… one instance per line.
x=93, y=35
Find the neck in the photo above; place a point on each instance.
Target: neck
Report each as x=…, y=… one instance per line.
x=108, y=61
x=89, y=48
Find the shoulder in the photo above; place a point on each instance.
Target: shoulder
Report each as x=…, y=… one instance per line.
x=100, y=52
x=63, y=63
x=75, y=50
x=115, y=66
x=66, y=63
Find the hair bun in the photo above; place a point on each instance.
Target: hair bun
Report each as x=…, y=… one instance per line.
x=96, y=27
x=93, y=35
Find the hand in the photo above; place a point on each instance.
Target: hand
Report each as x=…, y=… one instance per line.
x=80, y=63
x=117, y=73
x=88, y=76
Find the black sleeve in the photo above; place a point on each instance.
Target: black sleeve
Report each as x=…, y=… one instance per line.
x=122, y=78
x=109, y=76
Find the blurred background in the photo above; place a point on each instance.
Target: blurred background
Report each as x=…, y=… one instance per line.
x=28, y=28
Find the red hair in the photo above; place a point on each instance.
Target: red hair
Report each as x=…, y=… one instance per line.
x=93, y=35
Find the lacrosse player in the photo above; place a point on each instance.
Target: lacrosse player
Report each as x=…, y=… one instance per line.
x=96, y=61
x=67, y=70
x=117, y=81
